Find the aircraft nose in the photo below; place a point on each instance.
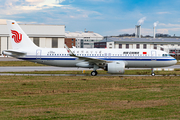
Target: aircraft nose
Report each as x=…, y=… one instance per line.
x=174, y=61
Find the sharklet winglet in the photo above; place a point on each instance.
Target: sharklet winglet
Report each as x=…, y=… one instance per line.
x=69, y=51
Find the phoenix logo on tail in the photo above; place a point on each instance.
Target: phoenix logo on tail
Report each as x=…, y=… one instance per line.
x=17, y=36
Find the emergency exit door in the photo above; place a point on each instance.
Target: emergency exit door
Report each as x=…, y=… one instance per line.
x=38, y=54
x=153, y=55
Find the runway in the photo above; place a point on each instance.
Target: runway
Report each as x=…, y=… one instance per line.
x=9, y=59
x=51, y=68
x=39, y=68
x=11, y=74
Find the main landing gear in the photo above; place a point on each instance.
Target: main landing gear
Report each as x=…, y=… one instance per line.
x=152, y=72
x=94, y=72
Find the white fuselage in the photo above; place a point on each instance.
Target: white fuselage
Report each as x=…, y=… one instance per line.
x=133, y=58
x=112, y=60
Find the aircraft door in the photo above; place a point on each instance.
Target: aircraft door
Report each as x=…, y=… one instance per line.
x=38, y=54
x=153, y=55
x=105, y=55
x=109, y=55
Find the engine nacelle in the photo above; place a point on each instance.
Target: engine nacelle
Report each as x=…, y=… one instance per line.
x=115, y=67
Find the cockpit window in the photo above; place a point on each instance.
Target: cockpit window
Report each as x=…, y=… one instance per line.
x=165, y=55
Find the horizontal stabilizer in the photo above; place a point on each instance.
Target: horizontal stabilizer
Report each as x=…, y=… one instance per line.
x=13, y=53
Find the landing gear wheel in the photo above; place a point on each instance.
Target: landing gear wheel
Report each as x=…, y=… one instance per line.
x=94, y=73
x=152, y=74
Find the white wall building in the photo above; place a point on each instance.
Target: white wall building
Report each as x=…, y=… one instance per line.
x=84, y=39
x=45, y=36
x=164, y=44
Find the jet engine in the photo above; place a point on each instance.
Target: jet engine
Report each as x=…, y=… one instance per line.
x=115, y=67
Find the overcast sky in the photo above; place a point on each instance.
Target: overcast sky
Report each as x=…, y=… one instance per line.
x=106, y=17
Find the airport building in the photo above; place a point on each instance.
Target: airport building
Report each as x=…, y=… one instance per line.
x=84, y=39
x=45, y=36
x=51, y=36
x=169, y=45
x=70, y=42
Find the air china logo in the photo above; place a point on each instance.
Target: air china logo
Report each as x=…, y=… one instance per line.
x=17, y=36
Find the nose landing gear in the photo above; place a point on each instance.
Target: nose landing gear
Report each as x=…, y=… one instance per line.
x=152, y=72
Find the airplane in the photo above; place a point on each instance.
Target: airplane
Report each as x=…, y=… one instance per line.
x=114, y=61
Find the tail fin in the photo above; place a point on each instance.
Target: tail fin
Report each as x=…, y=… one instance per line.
x=18, y=37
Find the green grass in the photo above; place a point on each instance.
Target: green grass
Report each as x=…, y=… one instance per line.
x=28, y=97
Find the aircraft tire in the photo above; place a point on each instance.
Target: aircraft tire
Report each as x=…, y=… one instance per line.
x=93, y=73
x=153, y=74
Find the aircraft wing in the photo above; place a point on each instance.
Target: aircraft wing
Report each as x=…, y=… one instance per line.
x=14, y=53
x=90, y=60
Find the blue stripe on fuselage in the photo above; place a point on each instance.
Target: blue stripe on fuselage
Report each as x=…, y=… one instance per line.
x=107, y=59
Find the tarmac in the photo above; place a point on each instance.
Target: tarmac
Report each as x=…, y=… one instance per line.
x=2, y=58
x=52, y=68
x=11, y=74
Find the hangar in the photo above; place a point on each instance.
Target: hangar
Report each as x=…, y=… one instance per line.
x=45, y=36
